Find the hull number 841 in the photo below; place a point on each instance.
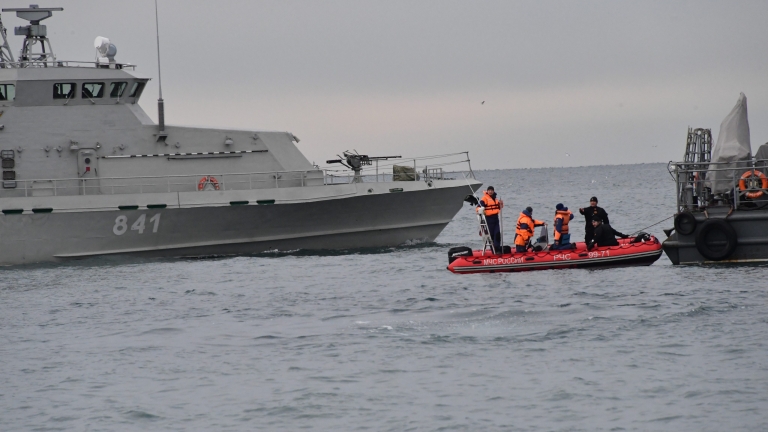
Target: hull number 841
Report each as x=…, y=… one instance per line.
x=121, y=224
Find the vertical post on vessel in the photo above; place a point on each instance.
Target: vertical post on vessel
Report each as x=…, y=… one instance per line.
x=160, y=103
x=469, y=164
x=501, y=230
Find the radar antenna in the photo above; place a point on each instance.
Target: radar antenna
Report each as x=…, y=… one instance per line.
x=33, y=34
x=355, y=161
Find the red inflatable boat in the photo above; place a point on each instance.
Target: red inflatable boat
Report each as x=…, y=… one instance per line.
x=629, y=252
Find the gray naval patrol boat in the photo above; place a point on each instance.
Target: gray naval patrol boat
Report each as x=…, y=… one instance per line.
x=722, y=196
x=87, y=173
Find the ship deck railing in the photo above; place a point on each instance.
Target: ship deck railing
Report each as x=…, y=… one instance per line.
x=436, y=169
x=694, y=184
x=65, y=63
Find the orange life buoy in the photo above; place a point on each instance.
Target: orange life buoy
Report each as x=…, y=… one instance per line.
x=207, y=180
x=763, y=183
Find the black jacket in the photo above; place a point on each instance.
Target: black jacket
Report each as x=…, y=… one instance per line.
x=590, y=211
x=605, y=235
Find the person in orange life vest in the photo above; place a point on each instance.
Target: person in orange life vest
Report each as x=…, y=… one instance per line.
x=562, y=237
x=492, y=207
x=525, y=225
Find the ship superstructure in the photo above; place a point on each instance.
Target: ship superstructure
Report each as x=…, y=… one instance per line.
x=722, y=196
x=86, y=172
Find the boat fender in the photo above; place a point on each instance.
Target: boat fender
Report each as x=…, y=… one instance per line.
x=685, y=223
x=763, y=183
x=207, y=180
x=716, y=240
x=458, y=252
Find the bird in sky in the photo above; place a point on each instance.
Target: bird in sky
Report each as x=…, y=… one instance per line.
x=482, y=103
x=567, y=154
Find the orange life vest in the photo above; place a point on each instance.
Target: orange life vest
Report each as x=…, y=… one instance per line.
x=524, y=229
x=491, y=205
x=565, y=215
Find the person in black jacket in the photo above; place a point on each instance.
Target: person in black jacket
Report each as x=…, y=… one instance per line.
x=605, y=235
x=589, y=212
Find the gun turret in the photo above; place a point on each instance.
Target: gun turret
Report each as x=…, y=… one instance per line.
x=356, y=161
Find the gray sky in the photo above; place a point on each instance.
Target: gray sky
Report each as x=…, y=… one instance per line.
x=608, y=82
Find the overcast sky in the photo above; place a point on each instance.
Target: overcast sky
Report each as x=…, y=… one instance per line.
x=565, y=83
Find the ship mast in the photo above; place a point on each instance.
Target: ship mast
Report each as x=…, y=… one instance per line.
x=161, y=134
x=6, y=57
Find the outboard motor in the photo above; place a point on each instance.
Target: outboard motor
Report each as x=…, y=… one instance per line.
x=458, y=252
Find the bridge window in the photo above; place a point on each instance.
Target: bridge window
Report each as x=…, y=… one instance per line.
x=136, y=89
x=116, y=89
x=93, y=90
x=64, y=90
x=7, y=92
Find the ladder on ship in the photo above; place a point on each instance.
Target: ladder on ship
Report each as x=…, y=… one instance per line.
x=698, y=149
x=485, y=233
x=698, y=155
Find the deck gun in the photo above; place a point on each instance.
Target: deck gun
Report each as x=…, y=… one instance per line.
x=355, y=161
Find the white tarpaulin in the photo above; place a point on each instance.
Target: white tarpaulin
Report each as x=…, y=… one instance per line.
x=732, y=150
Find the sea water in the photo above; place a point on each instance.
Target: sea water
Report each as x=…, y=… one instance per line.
x=389, y=340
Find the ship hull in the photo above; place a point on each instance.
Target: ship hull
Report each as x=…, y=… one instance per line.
x=233, y=222
x=751, y=239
